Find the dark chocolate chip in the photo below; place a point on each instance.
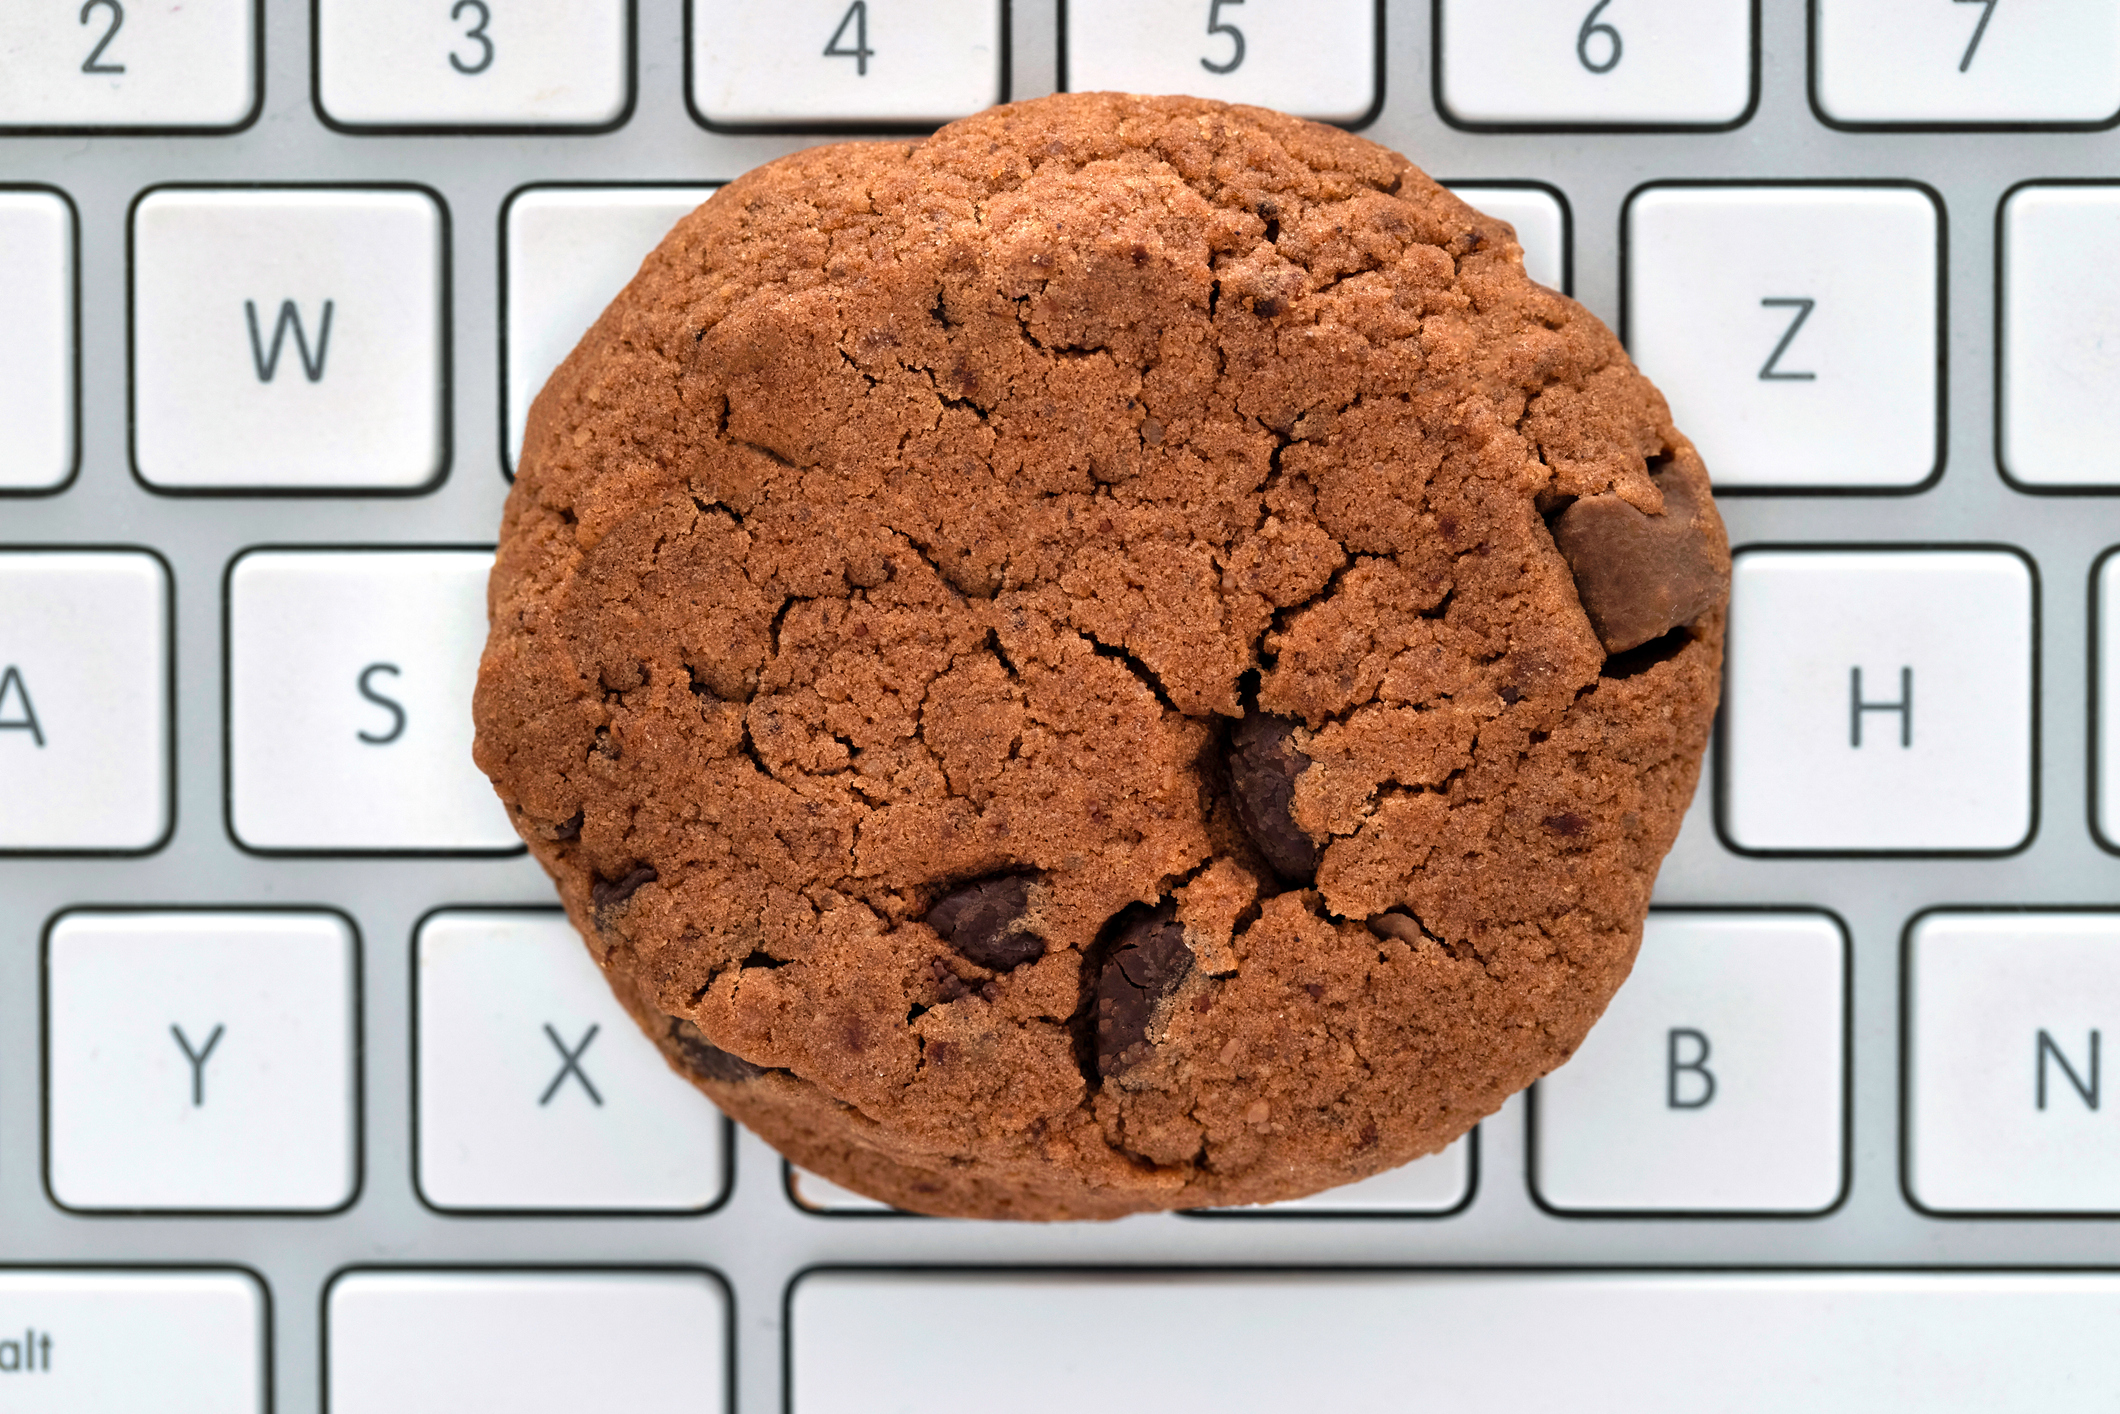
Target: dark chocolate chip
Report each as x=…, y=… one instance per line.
x=1640, y=576
x=1568, y=824
x=569, y=829
x=707, y=1060
x=1263, y=766
x=1146, y=963
x=984, y=922
x=607, y=894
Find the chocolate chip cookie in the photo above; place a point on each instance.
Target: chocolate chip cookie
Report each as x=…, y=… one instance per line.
x=1122, y=656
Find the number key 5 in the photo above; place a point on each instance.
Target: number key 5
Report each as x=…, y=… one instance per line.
x=1313, y=57
x=1596, y=63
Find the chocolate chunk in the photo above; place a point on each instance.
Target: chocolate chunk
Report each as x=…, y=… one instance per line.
x=1263, y=766
x=707, y=1060
x=568, y=829
x=1147, y=961
x=607, y=894
x=984, y=922
x=1640, y=576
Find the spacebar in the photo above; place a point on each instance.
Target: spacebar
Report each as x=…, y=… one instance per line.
x=1031, y=1342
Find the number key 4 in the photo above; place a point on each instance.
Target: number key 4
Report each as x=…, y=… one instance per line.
x=835, y=64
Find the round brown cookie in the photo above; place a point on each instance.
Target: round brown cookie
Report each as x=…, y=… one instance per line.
x=1123, y=656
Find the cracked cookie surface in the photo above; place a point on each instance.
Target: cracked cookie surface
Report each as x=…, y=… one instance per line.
x=1040, y=662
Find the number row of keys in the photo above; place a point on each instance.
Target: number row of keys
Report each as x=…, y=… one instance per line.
x=384, y=64
x=421, y=64
x=206, y=1060
x=1879, y=699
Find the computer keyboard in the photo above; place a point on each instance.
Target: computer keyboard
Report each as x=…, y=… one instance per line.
x=309, y=1099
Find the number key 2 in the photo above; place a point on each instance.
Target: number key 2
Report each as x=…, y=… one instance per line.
x=1595, y=63
x=126, y=64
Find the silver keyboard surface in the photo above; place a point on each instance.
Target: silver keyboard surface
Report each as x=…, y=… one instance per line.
x=1869, y=893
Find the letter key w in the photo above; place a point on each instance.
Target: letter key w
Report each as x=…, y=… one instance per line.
x=268, y=360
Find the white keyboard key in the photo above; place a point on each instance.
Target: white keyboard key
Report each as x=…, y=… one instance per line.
x=1976, y=61
x=1317, y=58
x=1878, y=700
x=1429, y=1187
x=1715, y=1080
x=2006, y=1015
x=510, y=63
x=37, y=392
x=2105, y=697
x=1793, y=328
x=821, y=1195
x=202, y=1061
x=1620, y=63
x=85, y=683
x=349, y=701
x=176, y=1342
x=1432, y=1186
x=288, y=339
x=1541, y=221
x=2060, y=274
x=536, y=1089
x=128, y=64
x=833, y=62
x=1362, y=1341
x=568, y=252
x=410, y=1342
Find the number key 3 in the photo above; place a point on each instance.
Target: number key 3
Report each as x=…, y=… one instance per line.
x=473, y=63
